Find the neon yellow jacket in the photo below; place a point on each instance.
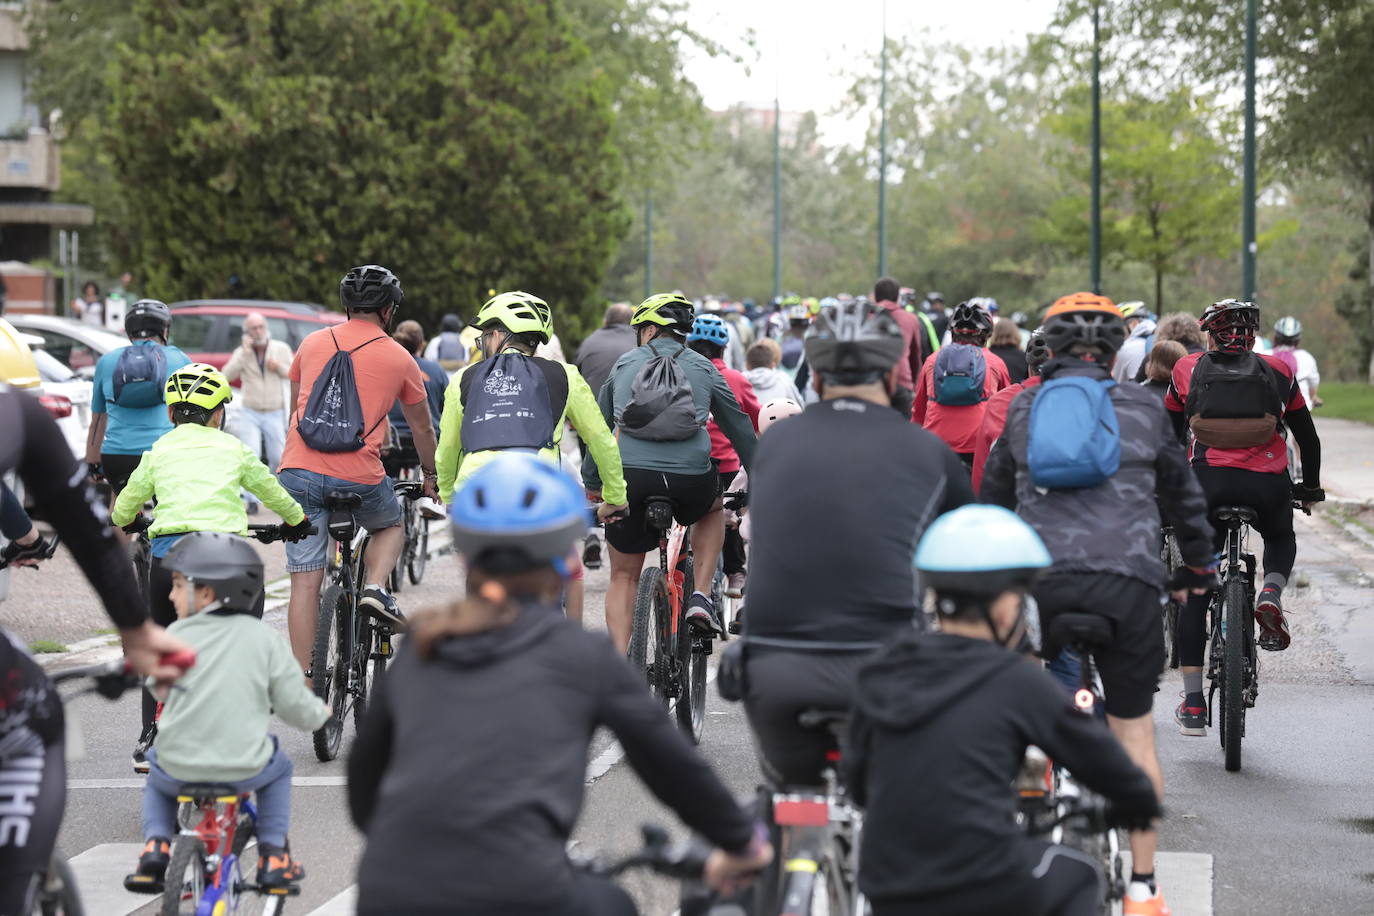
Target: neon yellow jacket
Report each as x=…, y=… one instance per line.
x=455, y=466
x=196, y=473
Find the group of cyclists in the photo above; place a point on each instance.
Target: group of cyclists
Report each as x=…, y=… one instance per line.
x=863, y=511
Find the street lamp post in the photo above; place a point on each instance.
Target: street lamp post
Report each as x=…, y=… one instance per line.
x=777, y=197
x=1248, y=250
x=1095, y=242
x=882, y=155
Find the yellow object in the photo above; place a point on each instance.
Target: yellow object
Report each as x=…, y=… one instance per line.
x=807, y=865
x=17, y=366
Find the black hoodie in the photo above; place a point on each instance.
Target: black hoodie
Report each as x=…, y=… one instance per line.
x=940, y=727
x=468, y=772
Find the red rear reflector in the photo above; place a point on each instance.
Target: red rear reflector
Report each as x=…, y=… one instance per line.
x=790, y=811
x=58, y=405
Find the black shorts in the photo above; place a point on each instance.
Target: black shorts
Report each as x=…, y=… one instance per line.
x=1130, y=666
x=692, y=495
x=119, y=468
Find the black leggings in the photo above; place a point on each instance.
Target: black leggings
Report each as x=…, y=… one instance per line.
x=732, y=552
x=1270, y=495
x=1063, y=882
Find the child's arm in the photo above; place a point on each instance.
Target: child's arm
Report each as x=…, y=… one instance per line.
x=262, y=483
x=292, y=701
x=136, y=492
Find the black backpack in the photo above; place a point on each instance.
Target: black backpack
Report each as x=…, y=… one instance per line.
x=333, y=417
x=661, y=406
x=512, y=401
x=1234, y=400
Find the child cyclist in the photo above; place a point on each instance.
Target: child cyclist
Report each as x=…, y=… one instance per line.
x=215, y=729
x=461, y=817
x=195, y=472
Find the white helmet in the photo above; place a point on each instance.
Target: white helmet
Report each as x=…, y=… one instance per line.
x=776, y=410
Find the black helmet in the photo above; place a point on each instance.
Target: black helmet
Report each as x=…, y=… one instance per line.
x=147, y=318
x=970, y=318
x=854, y=342
x=226, y=563
x=1037, y=351
x=369, y=288
x=451, y=323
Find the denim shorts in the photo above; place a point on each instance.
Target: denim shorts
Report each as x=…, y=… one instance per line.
x=380, y=509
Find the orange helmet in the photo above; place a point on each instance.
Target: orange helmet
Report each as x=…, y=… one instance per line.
x=1086, y=320
x=1083, y=302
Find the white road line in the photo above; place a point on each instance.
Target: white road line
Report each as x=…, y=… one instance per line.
x=614, y=752
x=345, y=904
x=100, y=873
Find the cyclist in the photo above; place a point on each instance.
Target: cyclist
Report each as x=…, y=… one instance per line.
x=934, y=307
x=995, y=414
x=1235, y=473
x=216, y=730
x=677, y=465
x=196, y=473
x=956, y=382
x=885, y=294
x=1288, y=347
x=1140, y=340
x=512, y=399
x=832, y=574
x=127, y=412
x=410, y=335
x=31, y=731
x=453, y=832
x=709, y=337
x=941, y=724
x=769, y=382
x=449, y=348
x=1102, y=528
x=382, y=373
x=26, y=545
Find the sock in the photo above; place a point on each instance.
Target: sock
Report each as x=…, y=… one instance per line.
x=1192, y=684
x=1275, y=581
x=1147, y=886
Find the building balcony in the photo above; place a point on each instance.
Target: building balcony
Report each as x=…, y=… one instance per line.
x=30, y=162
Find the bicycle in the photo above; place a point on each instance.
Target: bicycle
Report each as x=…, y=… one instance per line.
x=1232, y=662
x=141, y=551
x=1170, y=610
x=671, y=653
x=351, y=648
x=415, y=554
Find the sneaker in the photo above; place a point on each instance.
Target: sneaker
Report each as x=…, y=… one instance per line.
x=429, y=508
x=737, y=625
x=701, y=615
x=734, y=587
x=591, y=552
x=1138, y=904
x=276, y=868
x=151, y=872
x=1269, y=615
x=379, y=603
x=1191, y=716
x=145, y=741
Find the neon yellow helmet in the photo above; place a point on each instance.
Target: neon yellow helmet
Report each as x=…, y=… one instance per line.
x=199, y=385
x=517, y=312
x=668, y=310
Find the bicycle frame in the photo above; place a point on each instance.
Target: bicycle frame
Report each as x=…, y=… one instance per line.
x=217, y=827
x=1237, y=561
x=670, y=553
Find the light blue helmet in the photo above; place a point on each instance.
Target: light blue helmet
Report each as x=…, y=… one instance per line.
x=518, y=512
x=981, y=551
x=1288, y=326
x=710, y=328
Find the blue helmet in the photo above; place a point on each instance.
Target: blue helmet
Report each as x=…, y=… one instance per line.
x=710, y=328
x=518, y=512
x=980, y=551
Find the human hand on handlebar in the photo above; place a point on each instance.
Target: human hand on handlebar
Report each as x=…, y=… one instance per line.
x=1305, y=497
x=607, y=512
x=1198, y=580
x=728, y=873
x=153, y=652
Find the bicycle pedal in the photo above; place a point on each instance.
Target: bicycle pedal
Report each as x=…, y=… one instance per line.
x=289, y=890
x=143, y=884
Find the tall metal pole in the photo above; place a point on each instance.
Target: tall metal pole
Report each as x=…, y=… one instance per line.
x=649, y=245
x=1095, y=244
x=1247, y=231
x=882, y=155
x=777, y=197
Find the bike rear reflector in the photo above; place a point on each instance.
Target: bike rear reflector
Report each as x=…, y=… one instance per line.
x=1084, y=698
x=801, y=810
x=58, y=405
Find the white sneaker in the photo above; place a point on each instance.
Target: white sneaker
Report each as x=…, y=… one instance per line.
x=429, y=508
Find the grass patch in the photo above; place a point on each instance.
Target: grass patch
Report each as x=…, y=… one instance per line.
x=108, y=631
x=1348, y=401
x=46, y=646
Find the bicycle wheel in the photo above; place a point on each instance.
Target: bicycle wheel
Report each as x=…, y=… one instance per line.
x=692, y=652
x=369, y=663
x=396, y=578
x=141, y=555
x=59, y=895
x=329, y=668
x=185, y=877
x=419, y=557
x=1235, y=610
x=651, y=584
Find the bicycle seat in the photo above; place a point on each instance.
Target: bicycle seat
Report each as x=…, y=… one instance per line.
x=208, y=791
x=1241, y=515
x=658, y=512
x=349, y=501
x=835, y=721
x=1082, y=630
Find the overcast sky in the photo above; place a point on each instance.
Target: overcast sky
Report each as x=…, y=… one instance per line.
x=813, y=39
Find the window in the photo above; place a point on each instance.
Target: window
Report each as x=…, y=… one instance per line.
x=67, y=350
x=191, y=332
x=304, y=329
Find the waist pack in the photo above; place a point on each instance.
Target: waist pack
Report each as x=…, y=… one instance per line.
x=1074, y=439
x=661, y=407
x=960, y=373
x=140, y=376
x=1234, y=400
x=333, y=417
x=508, y=402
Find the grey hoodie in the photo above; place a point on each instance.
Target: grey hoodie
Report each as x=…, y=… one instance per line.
x=773, y=385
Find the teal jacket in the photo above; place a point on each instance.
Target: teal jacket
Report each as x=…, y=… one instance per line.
x=713, y=398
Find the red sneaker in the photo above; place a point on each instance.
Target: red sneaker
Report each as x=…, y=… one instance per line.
x=1274, y=635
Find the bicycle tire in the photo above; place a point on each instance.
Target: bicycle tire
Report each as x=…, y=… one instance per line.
x=188, y=861
x=419, y=558
x=396, y=577
x=141, y=555
x=372, y=666
x=328, y=672
x=1234, y=607
x=59, y=895
x=667, y=680
x=692, y=652
x=650, y=581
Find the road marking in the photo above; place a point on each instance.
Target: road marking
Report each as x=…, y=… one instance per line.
x=345, y=904
x=1186, y=879
x=100, y=873
x=614, y=753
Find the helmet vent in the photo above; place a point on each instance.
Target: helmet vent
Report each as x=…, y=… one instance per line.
x=530, y=496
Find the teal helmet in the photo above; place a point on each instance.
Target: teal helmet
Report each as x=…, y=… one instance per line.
x=980, y=551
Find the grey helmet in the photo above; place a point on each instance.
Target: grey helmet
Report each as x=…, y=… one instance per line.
x=853, y=343
x=1289, y=327
x=226, y=563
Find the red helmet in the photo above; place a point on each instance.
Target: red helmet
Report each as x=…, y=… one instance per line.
x=1232, y=324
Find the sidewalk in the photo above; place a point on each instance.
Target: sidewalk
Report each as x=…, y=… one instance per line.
x=1347, y=458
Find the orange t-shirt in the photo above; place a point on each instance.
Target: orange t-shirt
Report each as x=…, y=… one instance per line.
x=384, y=373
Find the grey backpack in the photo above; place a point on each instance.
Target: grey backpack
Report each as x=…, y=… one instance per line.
x=661, y=407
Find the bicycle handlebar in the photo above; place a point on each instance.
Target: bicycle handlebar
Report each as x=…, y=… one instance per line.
x=268, y=534
x=684, y=861
x=114, y=677
x=140, y=524
x=410, y=489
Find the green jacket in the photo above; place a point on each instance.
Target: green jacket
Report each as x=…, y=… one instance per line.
x=196, y=473
x=214, y=725
x=455, y=466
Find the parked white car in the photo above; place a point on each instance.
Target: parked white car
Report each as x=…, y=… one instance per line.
x=67, y=397
x=77, y=346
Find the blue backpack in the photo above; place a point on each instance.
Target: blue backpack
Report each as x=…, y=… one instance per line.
x=960, y=374
x=1074, y=437
x=140, y=376
x=333, y=417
